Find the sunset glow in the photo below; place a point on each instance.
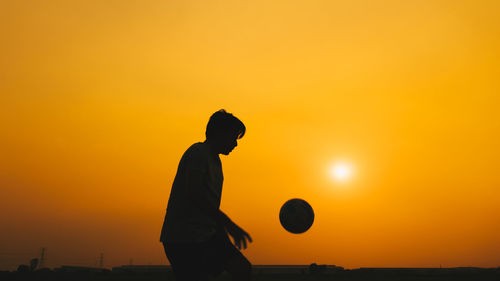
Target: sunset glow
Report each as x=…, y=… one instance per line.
x=341, y=172
x=99, y=100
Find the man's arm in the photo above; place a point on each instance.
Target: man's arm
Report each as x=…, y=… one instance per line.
x=198, y=194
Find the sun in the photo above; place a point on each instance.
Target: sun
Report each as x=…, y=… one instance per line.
x=341, y=171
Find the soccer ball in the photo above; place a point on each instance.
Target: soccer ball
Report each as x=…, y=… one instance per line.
x=296, y=216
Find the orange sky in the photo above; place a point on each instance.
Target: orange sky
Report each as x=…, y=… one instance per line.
x=99, y=99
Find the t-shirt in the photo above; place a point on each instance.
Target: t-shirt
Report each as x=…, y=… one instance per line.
x=184, y=221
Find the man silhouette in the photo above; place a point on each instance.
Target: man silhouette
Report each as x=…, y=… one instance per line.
x=195, y=231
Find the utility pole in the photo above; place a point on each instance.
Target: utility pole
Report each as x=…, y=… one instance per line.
x=101, y=260
x=42, y=258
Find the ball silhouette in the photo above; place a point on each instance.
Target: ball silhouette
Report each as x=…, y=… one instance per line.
x=296, y=216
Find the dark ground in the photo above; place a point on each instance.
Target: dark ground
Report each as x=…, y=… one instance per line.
x=475, y=274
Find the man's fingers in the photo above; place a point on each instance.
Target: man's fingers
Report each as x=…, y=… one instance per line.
x=248, y=236
x=240, y=238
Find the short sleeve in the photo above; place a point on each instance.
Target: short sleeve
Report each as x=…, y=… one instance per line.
x=195, y=160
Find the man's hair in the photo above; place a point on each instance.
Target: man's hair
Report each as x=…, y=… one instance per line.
x=222, y=121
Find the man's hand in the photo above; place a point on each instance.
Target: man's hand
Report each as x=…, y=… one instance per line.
x=240, y=236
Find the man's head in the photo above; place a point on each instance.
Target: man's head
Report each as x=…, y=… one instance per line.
x=223, y=130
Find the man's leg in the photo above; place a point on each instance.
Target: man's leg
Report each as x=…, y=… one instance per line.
x=234, y=262
x=185, y=261
x=222, y=255
x=239, y=267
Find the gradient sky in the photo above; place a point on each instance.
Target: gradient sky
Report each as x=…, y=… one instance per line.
x=99, y=99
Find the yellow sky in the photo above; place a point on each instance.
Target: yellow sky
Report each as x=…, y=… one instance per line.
x=99, y=99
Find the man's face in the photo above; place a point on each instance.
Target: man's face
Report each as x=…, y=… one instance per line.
x=227, y=142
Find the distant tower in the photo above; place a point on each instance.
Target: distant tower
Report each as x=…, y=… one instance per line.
x=101, y=260
x=42, y=259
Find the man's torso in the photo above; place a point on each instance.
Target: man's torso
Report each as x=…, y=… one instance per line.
x=184, y=221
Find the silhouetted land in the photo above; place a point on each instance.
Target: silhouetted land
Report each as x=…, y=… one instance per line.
x=260, y=273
